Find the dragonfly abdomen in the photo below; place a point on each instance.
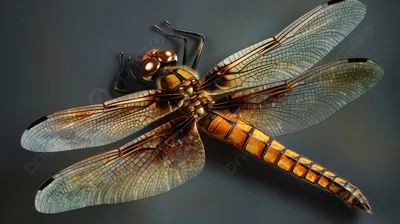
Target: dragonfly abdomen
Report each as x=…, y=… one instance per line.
x=250, y=139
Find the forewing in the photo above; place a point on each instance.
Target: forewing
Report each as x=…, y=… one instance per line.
x=289, y=53
x=298, y=103
x=98, y=124
x=154, y=163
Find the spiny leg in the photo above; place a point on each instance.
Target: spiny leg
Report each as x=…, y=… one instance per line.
x=199, y=47
x=177, y=36
x=124, y=72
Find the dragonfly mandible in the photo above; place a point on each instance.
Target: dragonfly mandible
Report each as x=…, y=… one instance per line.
x=258, y=93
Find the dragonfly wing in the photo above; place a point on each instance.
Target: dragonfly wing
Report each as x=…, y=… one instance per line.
x=298, y=103
x=98, y=124
x=289, y=53
x=156, y=162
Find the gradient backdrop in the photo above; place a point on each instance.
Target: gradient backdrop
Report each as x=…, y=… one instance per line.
x=57, y=55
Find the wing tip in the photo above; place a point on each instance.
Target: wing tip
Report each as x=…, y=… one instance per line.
x=354, y=60
x=43, y=209
x=380, y=70
x=38, y=206
x=25, y=142
x=361, y=60
x=38, y=121
x=356, y=4
x=46, y=183
x=40, y=195
x=331, y=2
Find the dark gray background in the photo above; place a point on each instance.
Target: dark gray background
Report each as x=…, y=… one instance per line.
x=59, y=55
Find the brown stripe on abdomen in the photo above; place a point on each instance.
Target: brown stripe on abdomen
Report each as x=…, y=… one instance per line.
x=262, y=146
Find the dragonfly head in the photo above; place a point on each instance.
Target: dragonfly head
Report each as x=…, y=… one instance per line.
x=154, y=61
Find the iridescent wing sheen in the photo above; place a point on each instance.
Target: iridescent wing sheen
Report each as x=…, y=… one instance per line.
x=298, y=103
x=156, y=162
x=98, y=124
x=289, y=53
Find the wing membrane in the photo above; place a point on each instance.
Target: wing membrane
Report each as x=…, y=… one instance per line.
x=154, y=163
x=289, y=53
x=98, y=124
x=298, y=103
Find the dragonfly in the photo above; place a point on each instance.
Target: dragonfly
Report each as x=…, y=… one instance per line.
x=268, y=89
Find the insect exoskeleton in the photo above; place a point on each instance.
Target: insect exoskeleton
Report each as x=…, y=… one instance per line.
x=199, y=105
x=154, y=61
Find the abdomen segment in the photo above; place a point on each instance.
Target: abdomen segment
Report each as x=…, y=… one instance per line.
x=264, y=147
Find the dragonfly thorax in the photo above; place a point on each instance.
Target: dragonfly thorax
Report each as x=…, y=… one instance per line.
x=179, y=79
x=198, y=106
x=185, y=81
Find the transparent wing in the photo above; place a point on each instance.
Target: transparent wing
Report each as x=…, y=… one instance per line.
x=289, y=53
x=154, y=163
x=98, y=124
x=298, y=103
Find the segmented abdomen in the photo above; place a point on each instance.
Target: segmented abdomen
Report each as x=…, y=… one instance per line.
x=264, y=147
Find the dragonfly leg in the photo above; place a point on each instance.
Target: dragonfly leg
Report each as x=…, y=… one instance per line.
x=176, y=36
x=124, y=73
x=200, y=45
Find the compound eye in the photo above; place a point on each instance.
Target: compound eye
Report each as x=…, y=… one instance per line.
x=166, y=56
x=149, y=68
x=149, y=54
